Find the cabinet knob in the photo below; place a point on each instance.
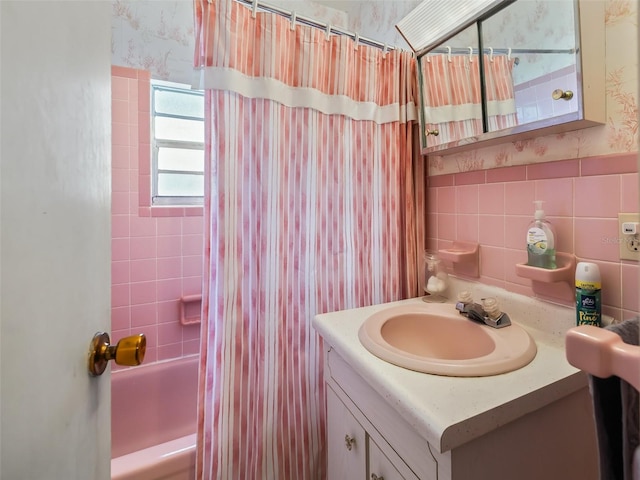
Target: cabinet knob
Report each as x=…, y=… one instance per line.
x=376, y=477
x=349, y=442
x=562, y=94
x=434, y=132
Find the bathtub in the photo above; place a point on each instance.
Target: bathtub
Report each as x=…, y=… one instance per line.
x=153, y=421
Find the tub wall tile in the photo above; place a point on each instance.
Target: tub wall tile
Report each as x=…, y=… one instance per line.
x=157, y=252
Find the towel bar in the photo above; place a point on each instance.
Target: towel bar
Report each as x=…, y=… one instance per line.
x=602, y=353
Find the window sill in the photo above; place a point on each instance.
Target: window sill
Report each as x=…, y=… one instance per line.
x=172, y=211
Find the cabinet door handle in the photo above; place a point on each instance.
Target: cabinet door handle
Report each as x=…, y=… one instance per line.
x=349, y=442
x=376, y=477
x=562, y=94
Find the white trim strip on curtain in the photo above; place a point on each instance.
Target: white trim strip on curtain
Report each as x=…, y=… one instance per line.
x=468, y=111
x=452, y=113
x=501, y=107
x=219, y=78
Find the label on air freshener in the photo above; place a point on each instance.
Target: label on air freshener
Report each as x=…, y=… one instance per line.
x=588, y=307
x=588, y=286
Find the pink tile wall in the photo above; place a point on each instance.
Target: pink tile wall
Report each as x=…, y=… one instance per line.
x=156, y=251
x=582, y=199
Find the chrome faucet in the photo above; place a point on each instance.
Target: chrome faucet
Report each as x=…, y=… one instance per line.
x=488, y=313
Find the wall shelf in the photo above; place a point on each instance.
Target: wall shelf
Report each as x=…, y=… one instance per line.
x=557, y=283
x=464, y=256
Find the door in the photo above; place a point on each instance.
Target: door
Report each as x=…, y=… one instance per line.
x=54, y=238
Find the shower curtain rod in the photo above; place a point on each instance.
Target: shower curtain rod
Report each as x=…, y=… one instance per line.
x=315, y=23
x=467, y=50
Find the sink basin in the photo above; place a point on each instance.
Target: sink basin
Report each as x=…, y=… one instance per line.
x=435, y=338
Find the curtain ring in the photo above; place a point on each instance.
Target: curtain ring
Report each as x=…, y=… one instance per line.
x=357, y=41
x=384, y=50
x=470, y=54
x=254, y=8
x=509, y=54
x=448, y=53
x=293, y=20
x=328, y=31
x=491, y=54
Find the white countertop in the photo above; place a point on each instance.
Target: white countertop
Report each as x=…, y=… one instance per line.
x=450, y=411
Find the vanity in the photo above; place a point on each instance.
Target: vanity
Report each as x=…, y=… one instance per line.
x=385, y=422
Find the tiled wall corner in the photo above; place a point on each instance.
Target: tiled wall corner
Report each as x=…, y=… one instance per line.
x=156, y=253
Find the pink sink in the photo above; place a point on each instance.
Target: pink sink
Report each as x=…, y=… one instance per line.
x=435, y=338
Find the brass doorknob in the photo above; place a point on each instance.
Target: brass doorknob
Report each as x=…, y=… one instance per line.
x=562, y=94
x=128, y=351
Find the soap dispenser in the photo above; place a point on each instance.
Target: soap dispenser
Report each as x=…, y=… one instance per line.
x=541, y=248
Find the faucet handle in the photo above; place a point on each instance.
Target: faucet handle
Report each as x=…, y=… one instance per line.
x=491, y=307
x=465, y=296
x=494, y=317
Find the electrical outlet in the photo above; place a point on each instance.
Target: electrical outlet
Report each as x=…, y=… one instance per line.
x=629, y=242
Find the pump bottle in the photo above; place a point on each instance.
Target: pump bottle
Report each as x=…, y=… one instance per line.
x=541, y=248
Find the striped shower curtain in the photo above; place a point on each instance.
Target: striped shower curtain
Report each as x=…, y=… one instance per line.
x=311, y=208
x=452, y=100
x=499, y=89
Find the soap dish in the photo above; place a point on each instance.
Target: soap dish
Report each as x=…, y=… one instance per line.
x=565, y=271
x=464, y=256
x=556, y=284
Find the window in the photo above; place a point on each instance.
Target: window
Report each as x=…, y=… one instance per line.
x=177, y=137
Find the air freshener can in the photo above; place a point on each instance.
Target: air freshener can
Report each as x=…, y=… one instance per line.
x=588, y=290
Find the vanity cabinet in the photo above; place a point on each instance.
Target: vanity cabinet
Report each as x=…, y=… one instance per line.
x=353, y=452
x=552, y=442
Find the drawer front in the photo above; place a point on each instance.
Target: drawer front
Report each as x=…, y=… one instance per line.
x=382, y=467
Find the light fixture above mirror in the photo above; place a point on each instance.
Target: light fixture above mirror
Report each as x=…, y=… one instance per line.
x=434, y=21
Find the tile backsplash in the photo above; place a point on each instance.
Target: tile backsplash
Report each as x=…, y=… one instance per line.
x=582, y=199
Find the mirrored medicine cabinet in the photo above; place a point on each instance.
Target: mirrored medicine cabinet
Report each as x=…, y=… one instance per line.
x=525, y=68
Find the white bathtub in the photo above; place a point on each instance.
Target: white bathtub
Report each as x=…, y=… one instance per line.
x=153, y=421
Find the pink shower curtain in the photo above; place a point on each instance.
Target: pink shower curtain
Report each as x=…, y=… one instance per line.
x=312, y=208
x=452, y=100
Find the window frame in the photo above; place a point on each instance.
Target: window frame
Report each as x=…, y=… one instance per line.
x=157, y=144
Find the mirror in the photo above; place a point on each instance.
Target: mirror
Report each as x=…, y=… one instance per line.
x=450, y=90
x=539, y=72
x=541, y=61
